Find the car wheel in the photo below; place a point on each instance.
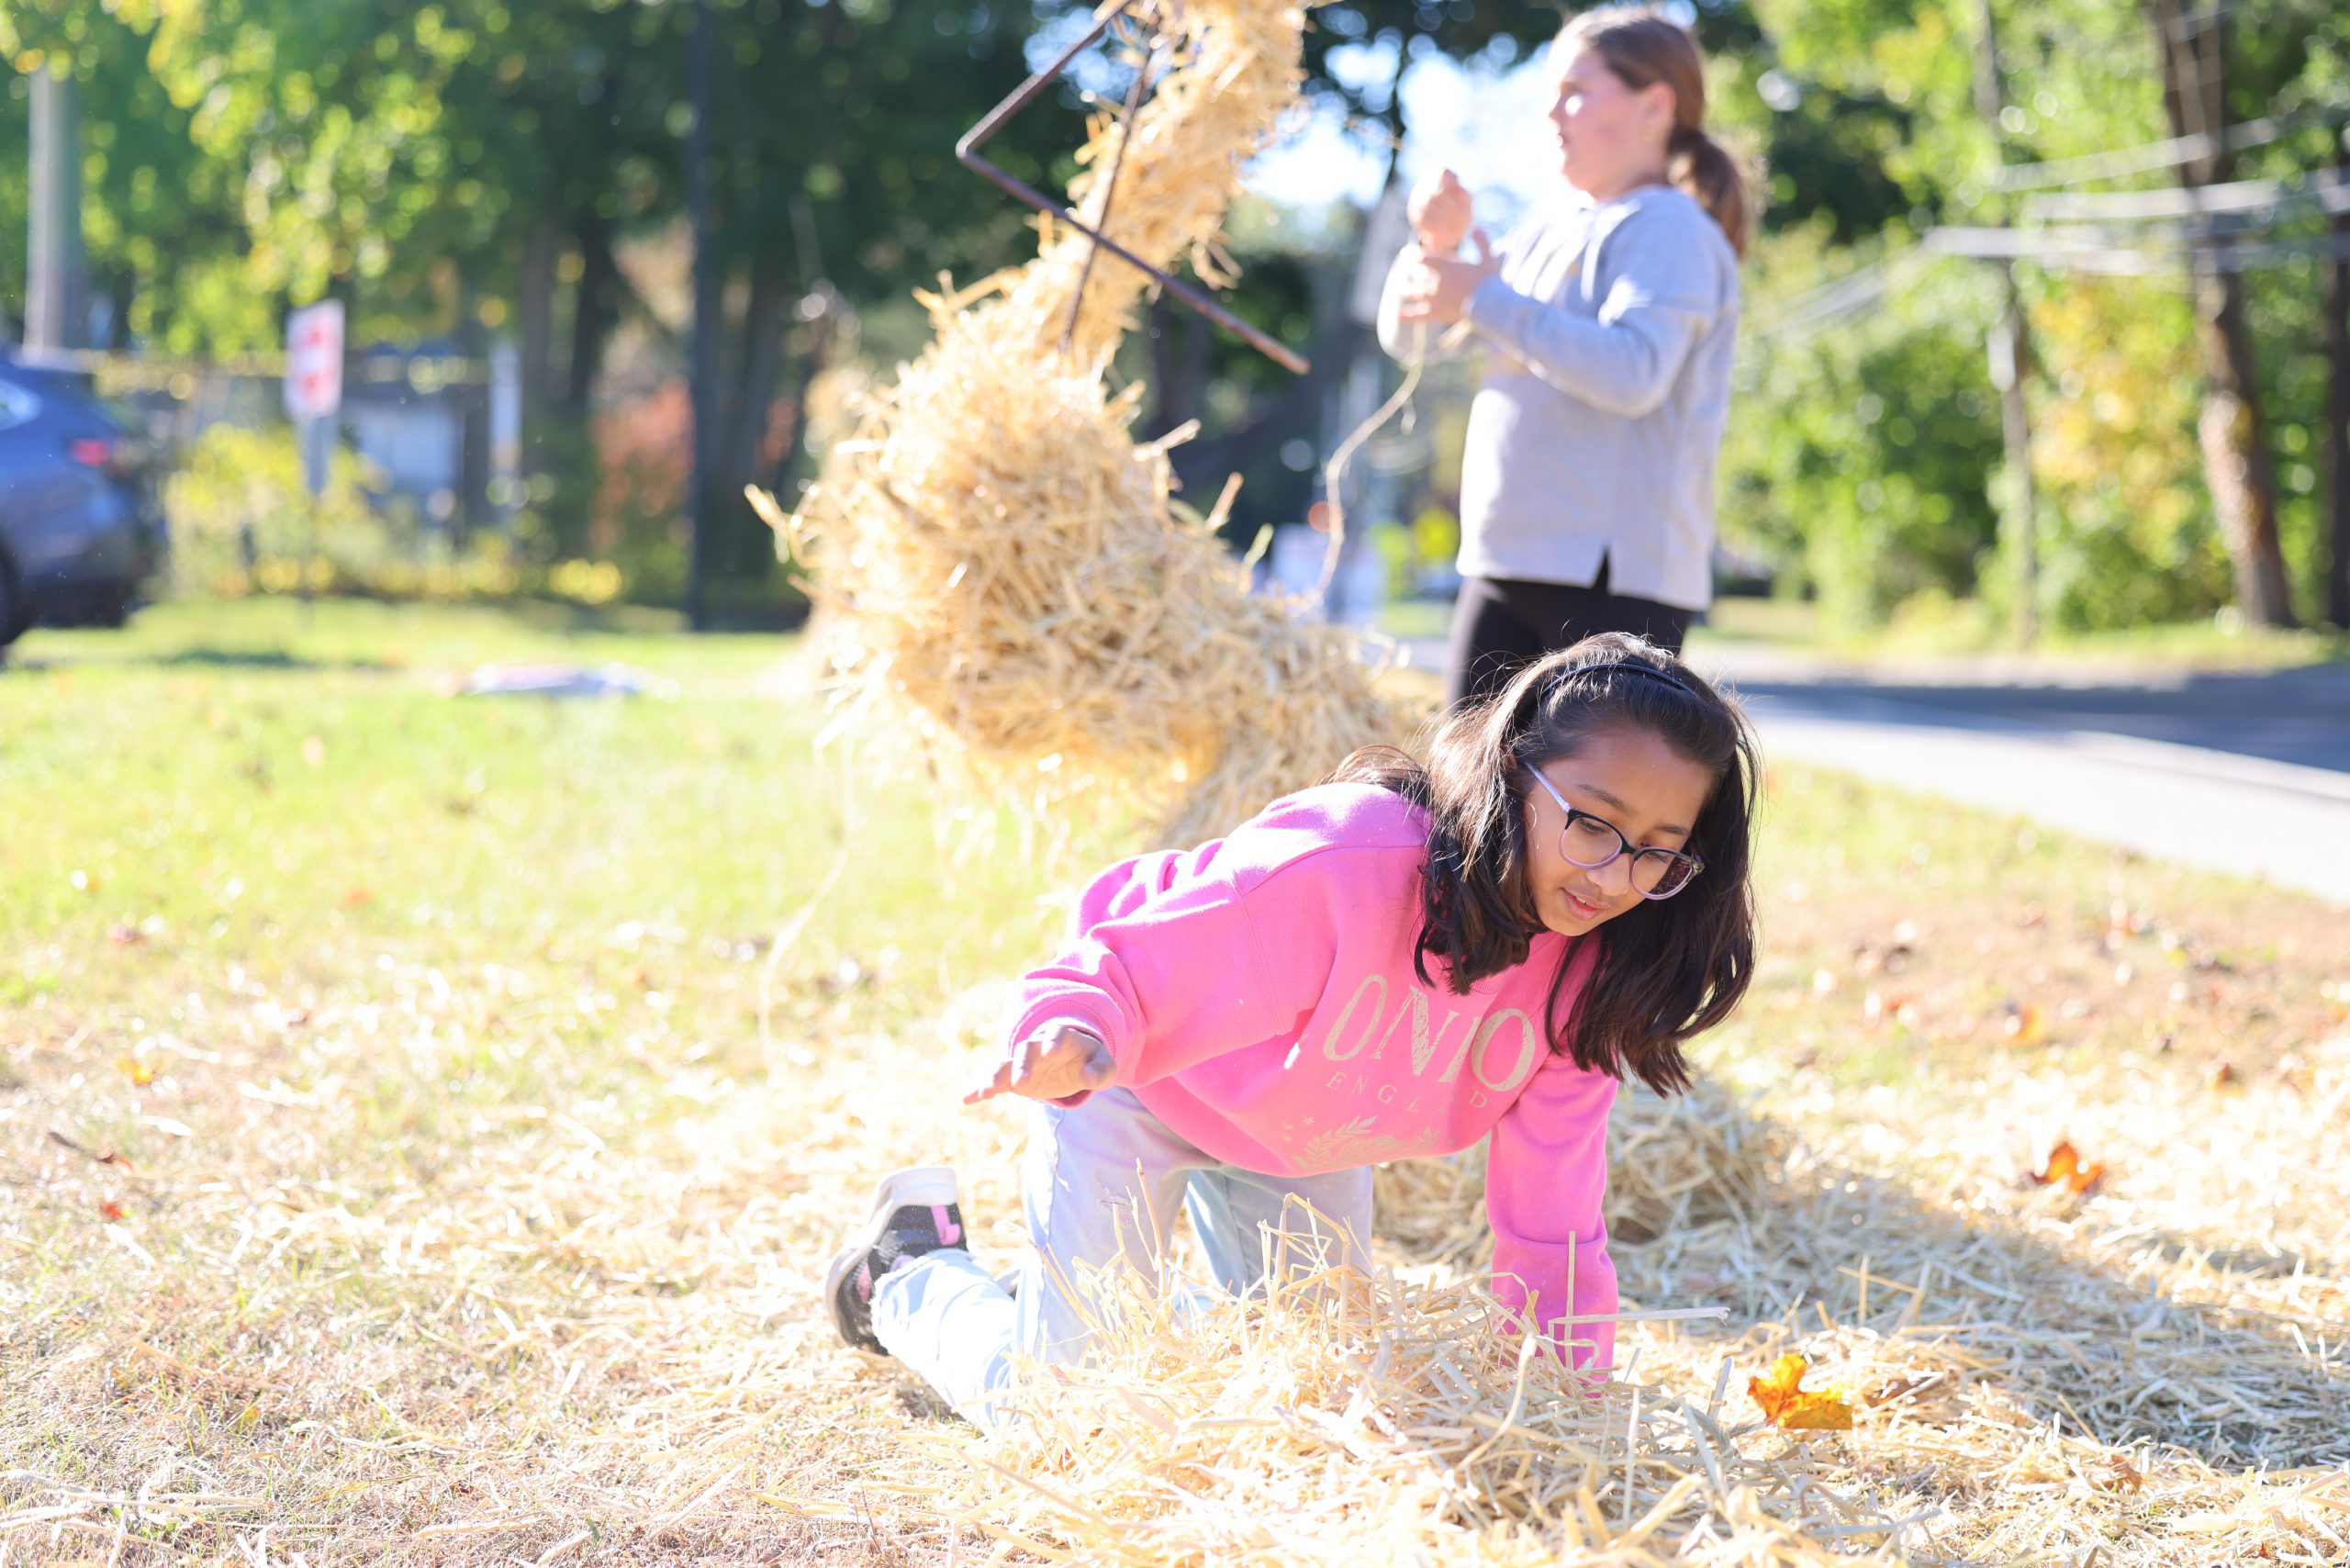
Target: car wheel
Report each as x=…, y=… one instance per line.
x=15, y=607
x=110, y=608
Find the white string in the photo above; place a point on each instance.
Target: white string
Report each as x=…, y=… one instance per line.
x=1335, y=471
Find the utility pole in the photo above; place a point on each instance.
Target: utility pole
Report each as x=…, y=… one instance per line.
x=704, y=365
x=56, y=314
x=2010, y=354
x=2336, y=311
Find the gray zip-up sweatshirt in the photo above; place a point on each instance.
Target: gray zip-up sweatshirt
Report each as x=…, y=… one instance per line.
x=1596, y=432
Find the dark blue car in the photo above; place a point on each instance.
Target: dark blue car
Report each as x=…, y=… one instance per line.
x=80, y=529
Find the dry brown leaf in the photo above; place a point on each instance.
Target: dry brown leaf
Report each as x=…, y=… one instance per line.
x=1900, y=1387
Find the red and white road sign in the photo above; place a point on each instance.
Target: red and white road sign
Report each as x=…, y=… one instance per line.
x=314, y=360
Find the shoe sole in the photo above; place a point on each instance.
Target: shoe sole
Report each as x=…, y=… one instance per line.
x=916, y=1184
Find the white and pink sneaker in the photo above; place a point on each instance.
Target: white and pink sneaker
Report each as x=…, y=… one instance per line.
x=915, y=1211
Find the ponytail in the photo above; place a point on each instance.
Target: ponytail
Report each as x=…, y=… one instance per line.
x=1704, y=168
x=1641, y=44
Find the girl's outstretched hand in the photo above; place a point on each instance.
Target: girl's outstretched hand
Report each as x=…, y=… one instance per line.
x=1057, y=1061
x=1438, y=289
x=1441, y=212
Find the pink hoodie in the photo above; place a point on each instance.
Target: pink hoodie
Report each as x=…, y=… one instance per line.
x=1258, y=995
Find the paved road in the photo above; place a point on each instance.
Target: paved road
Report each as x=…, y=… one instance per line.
x=2246, y=772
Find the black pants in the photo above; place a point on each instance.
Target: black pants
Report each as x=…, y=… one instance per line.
x=1499, y=625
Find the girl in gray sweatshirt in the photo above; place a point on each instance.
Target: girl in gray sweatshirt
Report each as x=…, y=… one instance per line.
x=1608, y=318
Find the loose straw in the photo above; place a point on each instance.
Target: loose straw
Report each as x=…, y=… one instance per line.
x=1005, y=584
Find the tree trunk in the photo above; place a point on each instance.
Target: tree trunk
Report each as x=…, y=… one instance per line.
x=2011, y=349
x=472, y=441
x=1201, y=466
x=1180, y=358
x=594, y=312
x=1160, y=318
x=750, y=401
x=2337, y=416
x=816, y=352
x=122, y=293
x=534, y=324
x=2232, y=428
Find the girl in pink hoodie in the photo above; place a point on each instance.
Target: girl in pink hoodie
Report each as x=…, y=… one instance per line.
x=1395, y=964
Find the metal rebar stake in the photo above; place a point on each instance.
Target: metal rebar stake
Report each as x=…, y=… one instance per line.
x=1134, y=91
x=966, y=153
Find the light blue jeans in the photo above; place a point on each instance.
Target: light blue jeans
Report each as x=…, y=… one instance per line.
x=1101, y=1182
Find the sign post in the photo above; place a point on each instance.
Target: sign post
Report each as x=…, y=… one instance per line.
x=313, y=395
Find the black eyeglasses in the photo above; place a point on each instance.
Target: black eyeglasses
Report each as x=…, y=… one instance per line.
x=1592, y=842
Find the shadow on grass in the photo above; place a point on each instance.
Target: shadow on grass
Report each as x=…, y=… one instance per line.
x=200, y=658
x=2094, y=1337
x=256, y=658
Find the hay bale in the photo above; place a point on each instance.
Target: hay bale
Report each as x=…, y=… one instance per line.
x=1675, y=1167
x=1002, y=571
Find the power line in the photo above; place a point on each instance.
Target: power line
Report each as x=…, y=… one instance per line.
x=2147, y=158
x=2088, y=249
x=2328, y=191
x=1831, y=303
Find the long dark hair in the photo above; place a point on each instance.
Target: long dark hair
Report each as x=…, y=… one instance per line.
x=1669, y=968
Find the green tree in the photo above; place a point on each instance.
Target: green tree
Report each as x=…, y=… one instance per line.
x=163, y=237
x=452, y=167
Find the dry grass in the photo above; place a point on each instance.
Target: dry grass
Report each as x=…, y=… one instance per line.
x=424, y=1244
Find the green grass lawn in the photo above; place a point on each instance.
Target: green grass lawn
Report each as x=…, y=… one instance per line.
x=260, y=800
x=414, y=1139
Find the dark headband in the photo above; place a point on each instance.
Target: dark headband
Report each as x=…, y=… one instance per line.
x=1650, y=670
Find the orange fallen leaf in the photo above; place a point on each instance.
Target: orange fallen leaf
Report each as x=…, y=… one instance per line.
x=1791, y=1408
x=2124, y=1474
x=111, y=1209
x=142, y=1073
x=2065, y=1169
x=2026, y=1025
